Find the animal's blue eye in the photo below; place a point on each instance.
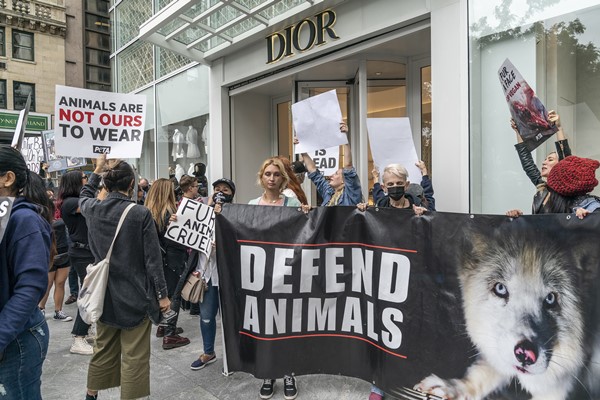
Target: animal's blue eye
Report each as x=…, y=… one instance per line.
x=500, y=290
x=550, y=300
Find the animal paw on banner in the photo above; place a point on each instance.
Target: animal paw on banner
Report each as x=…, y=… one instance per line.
x=525, y=107
x=438, y=306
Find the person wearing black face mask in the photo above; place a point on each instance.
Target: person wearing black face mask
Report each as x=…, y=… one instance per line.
x=224, y=190
x=395, y=185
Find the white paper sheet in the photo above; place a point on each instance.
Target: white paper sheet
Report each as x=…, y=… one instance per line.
x=317, y=123
x=327, y=160
x=391, y=142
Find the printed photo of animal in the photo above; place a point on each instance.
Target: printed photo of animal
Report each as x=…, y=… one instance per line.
x=525, y=311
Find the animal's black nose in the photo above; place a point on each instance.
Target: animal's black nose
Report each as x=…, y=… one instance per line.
x=526, y=352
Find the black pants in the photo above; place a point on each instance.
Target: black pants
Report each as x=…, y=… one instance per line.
x=175, y=274
x=80, y=263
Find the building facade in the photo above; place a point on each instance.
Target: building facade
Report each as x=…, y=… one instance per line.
x=220, y=77
x=32, y=48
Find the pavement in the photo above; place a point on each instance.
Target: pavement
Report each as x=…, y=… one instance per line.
x=64, y=374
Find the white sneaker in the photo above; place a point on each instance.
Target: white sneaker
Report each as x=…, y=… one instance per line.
x=61, y=316
x=81, y=346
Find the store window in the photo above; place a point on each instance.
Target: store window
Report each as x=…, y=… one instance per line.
x=555, y=45
x=22, y=45
x=2, y=42
x=145, y=165
x=99, y=6
x=182, y=122
x=21, y=91
x=3, y=94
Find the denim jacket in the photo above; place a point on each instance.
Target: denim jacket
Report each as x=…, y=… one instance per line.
x=352, y=194
x=136, y=279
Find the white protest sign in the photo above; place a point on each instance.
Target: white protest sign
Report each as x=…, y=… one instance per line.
x=525, y=107
x=58, y=163
x=5, y=209
x=91, y=122
x=327, y=160
x=391, y=142
x=33, y=152
x=317, y=122
x=21, y=125
x=194, y=227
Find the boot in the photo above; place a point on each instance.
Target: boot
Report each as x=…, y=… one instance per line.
x=173, y=341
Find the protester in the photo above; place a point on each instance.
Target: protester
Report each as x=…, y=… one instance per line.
x=293, y=188
x=24, y=257
x=136, y=288
x=420, y=195
x=161, y=203
x=537, y=177
x=200, y=174
x=273, y=178
x=299, y=170
x=569, y=184
x=343, y=189
x=80, y=256
x=223, y=192
x=59, y=268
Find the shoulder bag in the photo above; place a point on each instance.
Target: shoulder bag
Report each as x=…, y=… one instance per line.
x=93, y=290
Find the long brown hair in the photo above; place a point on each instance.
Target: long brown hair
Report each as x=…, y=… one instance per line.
x=293, y=182
x=160, y=201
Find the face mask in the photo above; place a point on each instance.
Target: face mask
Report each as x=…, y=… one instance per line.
x=395, y=192
x=221, y=197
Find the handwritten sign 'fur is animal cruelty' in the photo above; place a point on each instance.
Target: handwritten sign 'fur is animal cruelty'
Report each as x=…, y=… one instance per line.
x=194, y=227
x=91, y=122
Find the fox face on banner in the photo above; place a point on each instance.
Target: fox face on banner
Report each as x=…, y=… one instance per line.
x=455, y=305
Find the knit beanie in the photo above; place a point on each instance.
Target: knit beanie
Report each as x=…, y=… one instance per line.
x=573, y=176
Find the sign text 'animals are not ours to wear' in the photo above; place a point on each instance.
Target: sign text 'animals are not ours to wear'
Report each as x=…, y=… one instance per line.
x=91, y=122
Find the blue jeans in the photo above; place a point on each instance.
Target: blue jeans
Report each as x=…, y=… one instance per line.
x=208, y=318
x=21, y=367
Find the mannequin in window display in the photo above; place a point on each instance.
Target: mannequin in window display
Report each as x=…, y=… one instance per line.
x=205, y=137
x=191, y=138
x=178, y=141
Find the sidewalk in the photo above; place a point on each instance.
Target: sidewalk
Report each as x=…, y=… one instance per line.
x=64, y=374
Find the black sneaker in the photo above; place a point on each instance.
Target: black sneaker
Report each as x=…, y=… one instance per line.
x=290, y=391
x=266, y=390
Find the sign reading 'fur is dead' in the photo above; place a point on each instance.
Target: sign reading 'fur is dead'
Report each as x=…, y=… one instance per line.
x=447, y=305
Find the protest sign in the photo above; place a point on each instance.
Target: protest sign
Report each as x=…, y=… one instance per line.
x=317, y=122
x=525, y=107
x=5, y=209
x=58, y=163
x=327, y=160
x=21, y=125
x=194, y=227
x=33, y=152
x=393, y=298
x=91, y=122
x=391, y=142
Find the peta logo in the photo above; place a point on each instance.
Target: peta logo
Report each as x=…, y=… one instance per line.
x=101, y=149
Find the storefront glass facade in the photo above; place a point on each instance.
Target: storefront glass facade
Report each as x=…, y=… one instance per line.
x=555, y=45
x=176, y=89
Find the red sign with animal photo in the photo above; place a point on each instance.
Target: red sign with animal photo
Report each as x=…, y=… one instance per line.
x=439, y=306
x=526, y=109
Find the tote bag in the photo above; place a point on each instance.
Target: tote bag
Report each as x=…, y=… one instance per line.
x=93, y=290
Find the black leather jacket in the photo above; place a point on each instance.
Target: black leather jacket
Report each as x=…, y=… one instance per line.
x=535, y=176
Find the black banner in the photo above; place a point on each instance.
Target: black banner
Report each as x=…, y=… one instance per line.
x=460, y=305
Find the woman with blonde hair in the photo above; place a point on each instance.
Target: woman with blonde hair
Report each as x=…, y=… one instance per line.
x=161, y=202
x=293, y=188
x=273, y=178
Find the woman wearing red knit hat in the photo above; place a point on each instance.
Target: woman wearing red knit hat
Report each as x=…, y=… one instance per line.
x=538, y=176
x=569, y=184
